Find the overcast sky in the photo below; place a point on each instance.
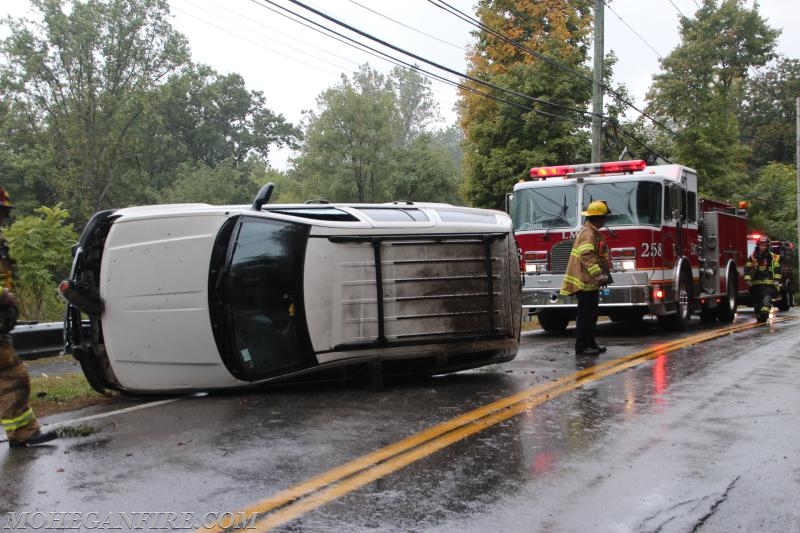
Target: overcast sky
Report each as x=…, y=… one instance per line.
x=292, y=64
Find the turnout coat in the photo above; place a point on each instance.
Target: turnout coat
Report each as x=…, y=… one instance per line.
x=587, y=261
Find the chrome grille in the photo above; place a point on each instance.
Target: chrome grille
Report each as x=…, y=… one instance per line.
x=559, y=256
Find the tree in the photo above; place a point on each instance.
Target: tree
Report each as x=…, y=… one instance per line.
x=424, y=171
x=346, y=143
x=772, y=202
x=701, y=86
x=215, y=118
x=767, y=114
x=222, y=184
x=81, y=78
x=40, y=245
x=369, y=142
x=509, y=133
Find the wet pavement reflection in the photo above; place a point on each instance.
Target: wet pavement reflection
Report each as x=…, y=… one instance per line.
x=617, y=453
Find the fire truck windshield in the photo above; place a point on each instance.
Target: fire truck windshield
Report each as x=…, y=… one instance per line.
x=631, y=202
x=545, y=207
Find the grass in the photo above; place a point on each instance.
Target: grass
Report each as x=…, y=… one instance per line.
x=530, y=322
x=68, y=392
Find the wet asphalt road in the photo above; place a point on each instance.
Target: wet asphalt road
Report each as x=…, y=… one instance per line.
x=706, y=438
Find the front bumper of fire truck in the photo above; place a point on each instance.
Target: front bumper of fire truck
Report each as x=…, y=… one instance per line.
x=630, y=289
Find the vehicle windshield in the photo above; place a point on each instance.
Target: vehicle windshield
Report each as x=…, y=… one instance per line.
x=631, y=202
x=256, y=296
x=545, y=208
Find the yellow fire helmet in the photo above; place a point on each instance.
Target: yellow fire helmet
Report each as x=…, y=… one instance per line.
x=598, y=208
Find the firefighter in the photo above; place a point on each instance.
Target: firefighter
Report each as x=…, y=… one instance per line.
x=16, y=415
x=763, y=268
x=587, y=271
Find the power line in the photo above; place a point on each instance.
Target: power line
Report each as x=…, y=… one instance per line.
x=477, y=23
x=261, y=45
x=407, y=26
x=352, y=42
x=428, y=61
x=677, y=8
x=262, y=34
x=632, y=30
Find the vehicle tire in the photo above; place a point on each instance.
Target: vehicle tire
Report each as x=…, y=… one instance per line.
x=727, y=307
x=784, y=304
x=553, y=320
x=683, y=313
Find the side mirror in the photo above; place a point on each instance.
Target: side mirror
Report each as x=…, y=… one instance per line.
x=263, y=196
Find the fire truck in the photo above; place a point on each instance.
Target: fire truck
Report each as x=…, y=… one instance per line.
x=785, y=250
x=672, y=253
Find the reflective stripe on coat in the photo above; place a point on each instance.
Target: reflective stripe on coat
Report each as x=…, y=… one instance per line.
x=587, y=260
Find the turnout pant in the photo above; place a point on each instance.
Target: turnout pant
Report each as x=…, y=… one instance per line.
x=586, y=319
x=15, y=389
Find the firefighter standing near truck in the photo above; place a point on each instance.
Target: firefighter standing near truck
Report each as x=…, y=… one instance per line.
x=587, y=271
x=763, y=269
x=16, y=415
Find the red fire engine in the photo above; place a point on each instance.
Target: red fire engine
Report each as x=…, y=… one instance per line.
x=672, y=253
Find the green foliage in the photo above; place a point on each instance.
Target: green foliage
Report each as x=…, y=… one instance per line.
x=41, y=245
x=767, y=114
x=102, y=108
x=701, y=87
x=221, y=185
x=773, y=208
x=368, y=142
x=79, y=80
x=503, y=139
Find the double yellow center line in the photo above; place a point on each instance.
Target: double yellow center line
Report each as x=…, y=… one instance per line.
x=315, y=492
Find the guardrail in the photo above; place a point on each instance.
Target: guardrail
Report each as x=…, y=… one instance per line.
x=33, y=341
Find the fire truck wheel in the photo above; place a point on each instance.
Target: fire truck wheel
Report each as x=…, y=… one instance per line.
x=726, y=311
x=683, y=312
x=553, y=320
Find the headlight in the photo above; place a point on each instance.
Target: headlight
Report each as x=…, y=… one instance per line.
x=536, y=261
x=535, y=268
x=623, y=259
x=623, y=265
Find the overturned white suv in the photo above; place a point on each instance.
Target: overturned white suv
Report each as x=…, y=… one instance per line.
x=172, y=298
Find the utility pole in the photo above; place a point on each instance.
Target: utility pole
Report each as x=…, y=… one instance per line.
x=597, y=86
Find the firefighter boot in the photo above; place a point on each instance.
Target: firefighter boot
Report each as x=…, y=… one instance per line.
x=38, y=438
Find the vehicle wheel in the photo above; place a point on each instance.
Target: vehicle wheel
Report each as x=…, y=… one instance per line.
x=727, y=307
x=679, y=320
x=553, y=320
x=783, y=304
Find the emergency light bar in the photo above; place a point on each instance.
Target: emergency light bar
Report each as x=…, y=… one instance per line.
x=610, y=167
